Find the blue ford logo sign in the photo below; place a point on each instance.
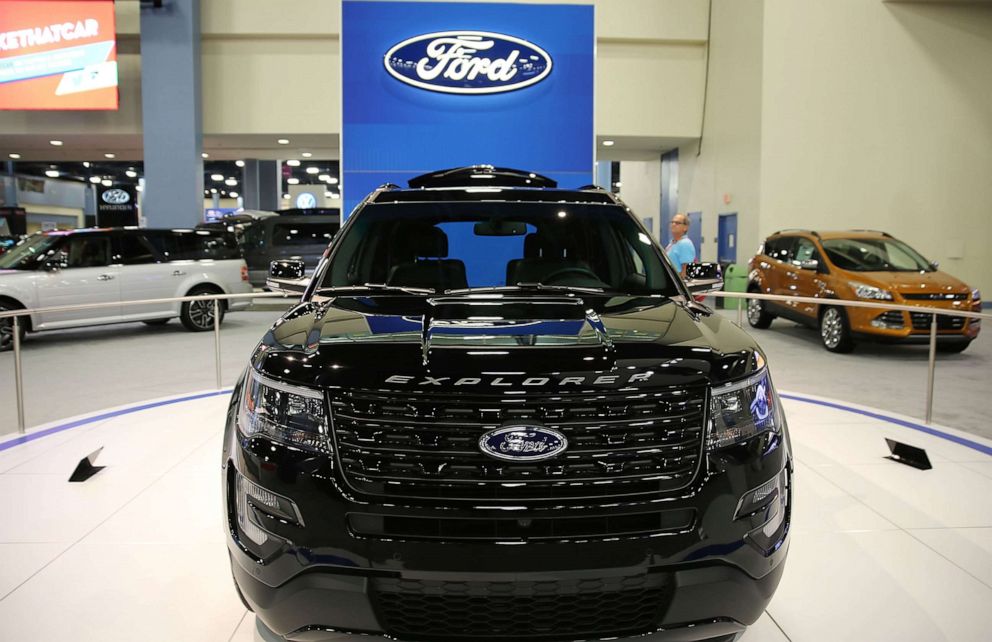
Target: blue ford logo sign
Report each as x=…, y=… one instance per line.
x=523, y=443
x=467, y=62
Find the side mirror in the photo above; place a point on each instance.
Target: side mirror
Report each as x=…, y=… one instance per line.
x=288, y=276
x=809, y=264
x=703, y=277
x=935, y=265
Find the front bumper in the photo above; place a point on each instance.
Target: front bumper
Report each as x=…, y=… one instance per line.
x=315, y=577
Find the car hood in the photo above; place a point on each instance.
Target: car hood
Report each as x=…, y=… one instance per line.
x=501, y=343
x=910, y=282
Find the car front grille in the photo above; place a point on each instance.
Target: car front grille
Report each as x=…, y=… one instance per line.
x=514, y=610
x=622, y=446
x=890, y=319
x=934, y=296
x=921, y=321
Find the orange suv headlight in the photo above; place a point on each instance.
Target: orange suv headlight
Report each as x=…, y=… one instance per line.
x=870, y=291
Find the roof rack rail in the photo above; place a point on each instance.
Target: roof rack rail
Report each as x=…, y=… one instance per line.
x=798, y=229
x=875, y=231
x=481, y=176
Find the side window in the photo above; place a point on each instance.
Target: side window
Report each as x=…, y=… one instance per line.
x=133, y=250
x=780, y=248
x=87, y=250
x=164, y=243
x=805, y=251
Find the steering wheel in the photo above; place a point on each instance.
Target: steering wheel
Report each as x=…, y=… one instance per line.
x=578, y=271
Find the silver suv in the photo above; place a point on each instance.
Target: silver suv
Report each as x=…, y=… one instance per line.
x=106, y=265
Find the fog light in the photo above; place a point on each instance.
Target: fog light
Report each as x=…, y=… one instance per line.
x=251, y=531
x=769, y=505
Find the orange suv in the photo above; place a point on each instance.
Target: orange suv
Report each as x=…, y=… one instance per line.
x=858, y=265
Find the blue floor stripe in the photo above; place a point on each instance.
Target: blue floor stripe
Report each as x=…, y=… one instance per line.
x=974, y=445
x=107, y=415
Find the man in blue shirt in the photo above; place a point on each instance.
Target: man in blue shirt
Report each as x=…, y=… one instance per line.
x=680, y=250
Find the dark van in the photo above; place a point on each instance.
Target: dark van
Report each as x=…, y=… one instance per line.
x=273, y=238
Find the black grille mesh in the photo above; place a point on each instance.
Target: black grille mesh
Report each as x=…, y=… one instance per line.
x=402, y=445
x=921, y=321
x=532, y=610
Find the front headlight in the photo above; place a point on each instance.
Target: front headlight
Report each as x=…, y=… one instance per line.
x=870, y=291
x=741, y=410
x=285, y=413
x=976, y=295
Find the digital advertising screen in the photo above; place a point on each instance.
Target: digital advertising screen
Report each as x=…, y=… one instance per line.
x=58, y=54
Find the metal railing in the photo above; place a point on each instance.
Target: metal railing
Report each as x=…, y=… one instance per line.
x=934, y=312
x=217, y=298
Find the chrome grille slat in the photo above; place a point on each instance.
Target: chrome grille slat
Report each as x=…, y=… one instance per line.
x=423, y=445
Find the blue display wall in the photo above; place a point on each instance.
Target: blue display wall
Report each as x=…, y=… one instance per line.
x=434, y=85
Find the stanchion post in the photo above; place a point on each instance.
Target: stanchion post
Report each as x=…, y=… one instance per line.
x=932, y=365
x=741, y=303
x=217, y=339
x=18, y=375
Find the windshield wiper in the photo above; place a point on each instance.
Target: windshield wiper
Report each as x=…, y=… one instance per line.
x=540, y=286
x=365, y=287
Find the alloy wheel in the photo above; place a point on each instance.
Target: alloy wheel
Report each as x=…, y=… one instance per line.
x=754, y=310
x=201, y=313
x=6, y=334
x=832, y=328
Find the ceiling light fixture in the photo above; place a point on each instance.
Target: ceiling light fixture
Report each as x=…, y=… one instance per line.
x=86, y=163
x=140, y=188
x=217, y=177
x=205, y=155
x=293, y=181
x=283, y=141
x=52, y=173
x=285, y=197
x=239, y=163
x=608, y=143
x=333, y=181
x=306, y=154
x=94, y=179
x=313, y=170
x=109, y=155
x=231, y=181
x=213, y=190
x=14, y=156
x=131, y=173
x=106, y=182
x=335, y=195
x=56, y=143
x=324, y=177
x=233, y=194
x=293, y=163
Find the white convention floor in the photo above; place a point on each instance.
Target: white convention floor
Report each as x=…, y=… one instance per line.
x=880, y=551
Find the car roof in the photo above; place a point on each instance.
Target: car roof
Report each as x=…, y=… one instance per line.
x=834, y=234
x=493, y=193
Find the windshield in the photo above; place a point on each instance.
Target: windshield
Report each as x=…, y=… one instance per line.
x=469, y=245
x=875, y=255
x=29, y=253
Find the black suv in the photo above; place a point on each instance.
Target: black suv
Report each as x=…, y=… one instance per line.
x=498, y=414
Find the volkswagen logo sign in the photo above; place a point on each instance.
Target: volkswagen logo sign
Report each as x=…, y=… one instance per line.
x=116, y=196
x=523, y=443
x=467, y=62
x=306, y=201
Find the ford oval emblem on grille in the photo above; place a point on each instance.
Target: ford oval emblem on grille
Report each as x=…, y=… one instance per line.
x=523, y=443
x=467, y=62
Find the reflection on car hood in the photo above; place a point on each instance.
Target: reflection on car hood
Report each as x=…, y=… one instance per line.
x=364, y=341
x=916, y=281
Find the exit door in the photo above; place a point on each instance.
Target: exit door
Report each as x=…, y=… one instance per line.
x=726, y=238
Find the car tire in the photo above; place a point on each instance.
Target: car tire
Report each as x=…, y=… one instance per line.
x=198, y=316
x=835, y=332
x=156, y=321
x=953, y=348
x=757, y=315
x=7, y=327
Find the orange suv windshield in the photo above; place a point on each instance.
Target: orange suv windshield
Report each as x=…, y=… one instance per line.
x=875, y=255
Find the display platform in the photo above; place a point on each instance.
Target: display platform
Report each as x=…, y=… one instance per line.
x=880, y=551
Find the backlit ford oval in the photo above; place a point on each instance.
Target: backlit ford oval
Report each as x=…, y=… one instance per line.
x=467, y=62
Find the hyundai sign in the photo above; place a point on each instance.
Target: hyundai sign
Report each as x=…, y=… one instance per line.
x=433, y=85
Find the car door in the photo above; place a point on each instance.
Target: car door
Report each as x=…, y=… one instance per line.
x=81, y=274
x=803, y=282
x=778, y=251
x=144, y=274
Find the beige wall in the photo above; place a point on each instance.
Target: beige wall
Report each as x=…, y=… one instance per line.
x=640, y=189
x=879, y=115
x=727, y=160
x=259, y=58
